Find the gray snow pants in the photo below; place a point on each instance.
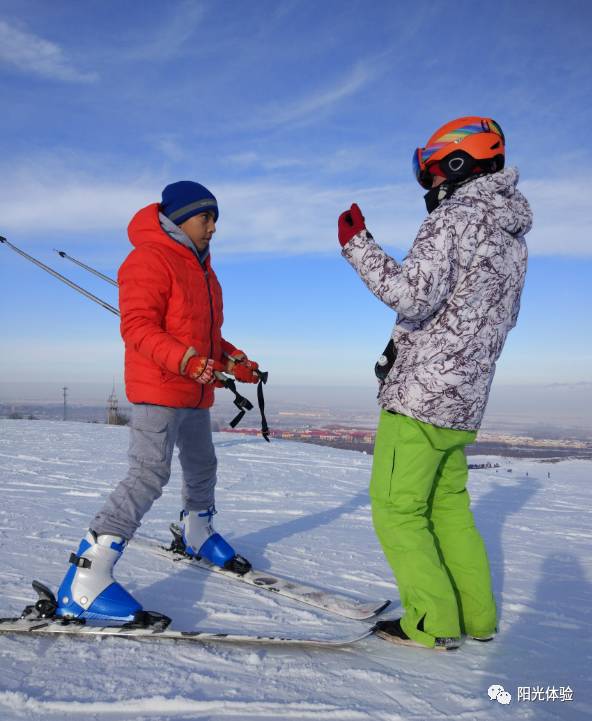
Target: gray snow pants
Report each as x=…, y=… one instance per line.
x=154, y=431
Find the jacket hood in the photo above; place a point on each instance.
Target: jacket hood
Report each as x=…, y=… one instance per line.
x=145, y=227
x=504, y=201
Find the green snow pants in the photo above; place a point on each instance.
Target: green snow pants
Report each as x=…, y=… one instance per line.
x=422, y=517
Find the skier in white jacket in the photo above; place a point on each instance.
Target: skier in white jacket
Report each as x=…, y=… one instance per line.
x=457, y=295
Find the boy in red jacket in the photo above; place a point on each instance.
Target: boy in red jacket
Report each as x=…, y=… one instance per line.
x=171, y=320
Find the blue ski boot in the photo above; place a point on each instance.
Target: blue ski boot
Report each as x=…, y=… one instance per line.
x=89, y=590
x=200, y=540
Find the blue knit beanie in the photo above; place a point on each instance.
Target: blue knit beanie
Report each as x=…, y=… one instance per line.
x=182, y=200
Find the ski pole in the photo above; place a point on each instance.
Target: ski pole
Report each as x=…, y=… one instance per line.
x=240, y=401
x=263, y=375
x=61, y=277
x=86, y=293
x=73, y=285
x=63, y=254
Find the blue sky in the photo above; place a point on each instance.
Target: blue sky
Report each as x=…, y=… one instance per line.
x=289, y=111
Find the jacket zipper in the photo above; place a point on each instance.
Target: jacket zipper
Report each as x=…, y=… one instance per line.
x=207, y=275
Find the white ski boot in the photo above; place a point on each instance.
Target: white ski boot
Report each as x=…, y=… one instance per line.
x=89, y=590
x=197, y=537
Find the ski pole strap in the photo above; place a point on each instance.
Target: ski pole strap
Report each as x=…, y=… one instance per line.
x=237, y=419
x=244, y=404
x=261, y=401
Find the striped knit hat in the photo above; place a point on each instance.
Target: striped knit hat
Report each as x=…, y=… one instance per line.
x=182, y=200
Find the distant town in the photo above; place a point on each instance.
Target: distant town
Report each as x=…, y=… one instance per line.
x=490, y=444
x=322, y=426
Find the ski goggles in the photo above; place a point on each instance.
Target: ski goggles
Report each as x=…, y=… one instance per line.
x=421, y=156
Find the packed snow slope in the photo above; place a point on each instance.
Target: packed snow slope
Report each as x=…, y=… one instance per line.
x=302, y=511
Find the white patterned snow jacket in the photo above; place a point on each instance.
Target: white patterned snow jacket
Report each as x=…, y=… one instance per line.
x=457, y=295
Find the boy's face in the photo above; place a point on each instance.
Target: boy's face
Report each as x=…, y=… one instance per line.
x=200, y=228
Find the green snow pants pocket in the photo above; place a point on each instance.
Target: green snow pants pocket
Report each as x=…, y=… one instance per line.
x=421, y=514
x=383, y=461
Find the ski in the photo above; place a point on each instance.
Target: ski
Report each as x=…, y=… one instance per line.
x=331, y=601
x=59, y=627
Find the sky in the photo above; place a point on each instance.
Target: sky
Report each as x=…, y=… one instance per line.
x=288, y=111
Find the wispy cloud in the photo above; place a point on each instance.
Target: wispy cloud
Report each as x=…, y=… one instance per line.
x=311, y=105
x=332, y=163
x=70, y=198
x=179, y=23
x=271, y=215
x=296, y=218
x=250, y=159
x=562, y=211
x=37, y=56
x=260, y=216
x=170, y=145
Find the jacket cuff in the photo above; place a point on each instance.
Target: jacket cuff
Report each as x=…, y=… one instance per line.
x=189, y=353
x=357, y=241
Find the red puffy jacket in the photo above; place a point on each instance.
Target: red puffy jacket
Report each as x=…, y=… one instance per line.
x=169, y=303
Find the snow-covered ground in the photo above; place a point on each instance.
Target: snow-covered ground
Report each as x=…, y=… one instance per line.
x=302, y=511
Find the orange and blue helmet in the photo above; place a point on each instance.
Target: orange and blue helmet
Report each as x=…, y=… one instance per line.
x=460, y=148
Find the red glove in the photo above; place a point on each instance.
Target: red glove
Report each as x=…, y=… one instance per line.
x=242, y=368
x=245, y=372
x=202, y=369
x=350, y=223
